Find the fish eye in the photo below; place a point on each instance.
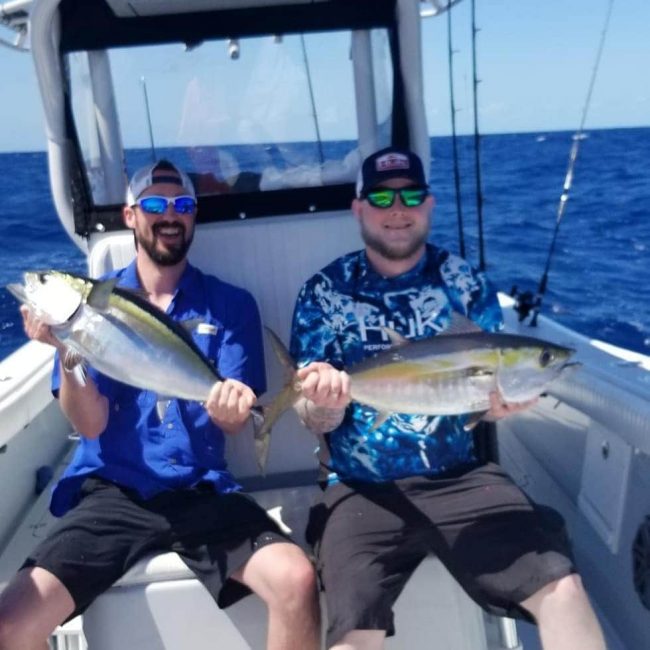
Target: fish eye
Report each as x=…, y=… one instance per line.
x=545, y=357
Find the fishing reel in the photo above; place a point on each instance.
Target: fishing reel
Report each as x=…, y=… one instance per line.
x=526, y=303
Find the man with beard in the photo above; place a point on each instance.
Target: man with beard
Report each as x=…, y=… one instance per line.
x=401, y=488
x=142, y=480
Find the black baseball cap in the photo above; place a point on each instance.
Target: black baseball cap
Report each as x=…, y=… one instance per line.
x=390, y=162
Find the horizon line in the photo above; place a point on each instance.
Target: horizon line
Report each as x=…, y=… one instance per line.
x=437, y=135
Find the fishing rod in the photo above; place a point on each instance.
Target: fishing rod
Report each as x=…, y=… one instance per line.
x=477, y=147
x=526, y=302
x=454, y=138
x=146, y=105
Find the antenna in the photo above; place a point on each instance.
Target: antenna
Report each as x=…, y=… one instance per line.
x=146, y=105
x=311, y=98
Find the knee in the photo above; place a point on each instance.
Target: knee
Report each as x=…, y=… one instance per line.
x=295, y=586
x=299, y=580
x=557, y=595
x=567, y=589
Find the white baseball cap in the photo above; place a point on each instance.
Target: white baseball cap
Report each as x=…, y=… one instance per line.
x=143, y=178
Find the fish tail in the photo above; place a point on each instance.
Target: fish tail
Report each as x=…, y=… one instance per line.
x=281, y=352
x=264, y=417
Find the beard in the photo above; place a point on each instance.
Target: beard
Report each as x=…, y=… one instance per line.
x=394, y=251
x=165, y=255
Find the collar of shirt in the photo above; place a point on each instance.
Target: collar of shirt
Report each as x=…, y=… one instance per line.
x=369, y=277
x=188, y=285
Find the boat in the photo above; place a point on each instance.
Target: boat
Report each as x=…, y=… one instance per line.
x=273, y=209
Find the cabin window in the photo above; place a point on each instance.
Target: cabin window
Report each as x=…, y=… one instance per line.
x=254, y=115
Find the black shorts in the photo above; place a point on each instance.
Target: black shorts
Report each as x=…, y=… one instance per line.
x=369, y=539
x=95, y=543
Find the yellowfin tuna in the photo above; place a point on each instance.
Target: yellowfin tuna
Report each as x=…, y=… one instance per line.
x=120, y=334
x=449, y=374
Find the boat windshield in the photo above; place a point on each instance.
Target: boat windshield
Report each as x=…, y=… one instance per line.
x=248, y=115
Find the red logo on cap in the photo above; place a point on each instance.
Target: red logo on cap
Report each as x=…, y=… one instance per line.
x=392, y=161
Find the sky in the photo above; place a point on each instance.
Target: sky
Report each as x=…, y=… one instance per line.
x=535, y=60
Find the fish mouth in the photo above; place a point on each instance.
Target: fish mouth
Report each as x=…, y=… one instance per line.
x=18, y=292
x=61, y=307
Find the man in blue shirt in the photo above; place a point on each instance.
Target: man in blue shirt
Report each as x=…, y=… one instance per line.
x=141, y=480
x=411, y=485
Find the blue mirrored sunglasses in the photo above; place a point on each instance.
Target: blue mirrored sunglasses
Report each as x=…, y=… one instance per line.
x=158, y=204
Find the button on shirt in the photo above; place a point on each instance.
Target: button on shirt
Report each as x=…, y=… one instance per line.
x=145, y=453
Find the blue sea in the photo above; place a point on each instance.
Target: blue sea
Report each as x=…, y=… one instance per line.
x=598, y=281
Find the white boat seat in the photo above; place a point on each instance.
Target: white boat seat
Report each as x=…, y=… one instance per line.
x=148, y=598
x=161, y=567
x=165, y=567
x=160, y=605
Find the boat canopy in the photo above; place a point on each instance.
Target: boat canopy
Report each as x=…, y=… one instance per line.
x=270, y=106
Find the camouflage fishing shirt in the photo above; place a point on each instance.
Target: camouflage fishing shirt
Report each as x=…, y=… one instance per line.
x=339, y=316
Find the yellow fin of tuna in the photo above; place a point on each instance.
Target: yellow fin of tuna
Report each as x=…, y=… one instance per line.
x=460, y=325
x=382, y=416
x=473, y=420
x=395, y=337
x=99, y=295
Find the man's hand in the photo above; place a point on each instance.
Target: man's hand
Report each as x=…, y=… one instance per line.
x=500, y=409
x=81, y=402
x=229, y=404
x=37, y=330
x=324, y=385
x=325, y=394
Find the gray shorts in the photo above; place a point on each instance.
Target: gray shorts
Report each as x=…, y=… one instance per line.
x=369, y=538
x=96, y=542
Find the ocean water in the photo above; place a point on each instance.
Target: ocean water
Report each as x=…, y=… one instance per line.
x=598, y=281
